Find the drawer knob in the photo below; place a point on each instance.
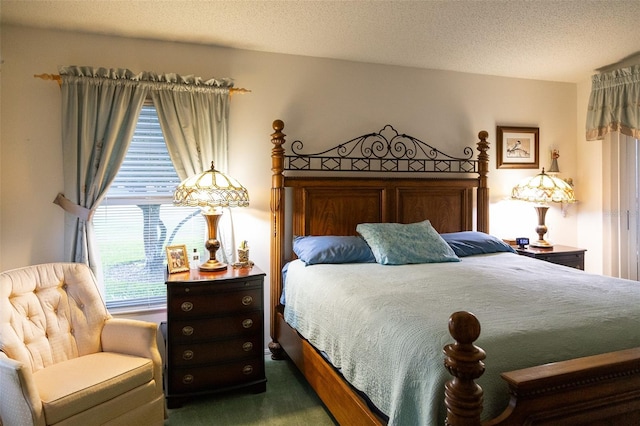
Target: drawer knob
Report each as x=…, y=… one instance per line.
x=247, y=346
x=188, y=354
x=248, y=323
x=247, y=369
x=187, y=379
x=187, y=330
x=186, y=306
x=247, y=300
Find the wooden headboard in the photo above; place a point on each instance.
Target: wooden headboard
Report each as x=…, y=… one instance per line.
x=420, y=187
x=334, y=206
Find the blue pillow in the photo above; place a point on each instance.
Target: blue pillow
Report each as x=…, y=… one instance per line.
x=332, y=249
x=468, y=243
x=400, y=244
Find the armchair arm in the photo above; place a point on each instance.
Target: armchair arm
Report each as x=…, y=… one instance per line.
x=134, y=337
x=20, y=403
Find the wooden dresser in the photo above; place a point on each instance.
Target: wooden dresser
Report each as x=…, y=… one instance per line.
x=214, y=333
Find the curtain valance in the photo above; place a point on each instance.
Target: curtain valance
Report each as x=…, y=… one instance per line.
x=155, y=81
x=614, y=104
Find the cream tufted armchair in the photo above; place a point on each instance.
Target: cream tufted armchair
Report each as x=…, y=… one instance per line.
x=65, y=361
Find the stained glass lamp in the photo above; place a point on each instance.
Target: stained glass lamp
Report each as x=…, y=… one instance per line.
x=541, y=190
x=211, y=190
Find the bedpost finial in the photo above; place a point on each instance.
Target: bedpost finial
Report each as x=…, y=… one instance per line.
x=277, y=137
x=464, y=327
x=462, y=395
x=483, y=157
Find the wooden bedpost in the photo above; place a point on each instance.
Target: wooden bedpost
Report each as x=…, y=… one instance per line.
x=483, y=187
x=277, y=231
x=463, y=397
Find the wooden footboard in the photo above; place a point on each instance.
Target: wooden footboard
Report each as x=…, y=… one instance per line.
x=597, y=390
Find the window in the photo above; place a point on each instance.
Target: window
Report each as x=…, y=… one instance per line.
x=137, y=220
x=621, y=184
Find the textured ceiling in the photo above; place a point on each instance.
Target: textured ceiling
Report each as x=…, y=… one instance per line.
x=559, y=40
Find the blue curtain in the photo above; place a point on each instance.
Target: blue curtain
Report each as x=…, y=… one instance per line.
x=194, y=117
x=614, y=104
x=100, y=109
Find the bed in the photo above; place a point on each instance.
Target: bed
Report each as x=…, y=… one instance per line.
x=406, y=182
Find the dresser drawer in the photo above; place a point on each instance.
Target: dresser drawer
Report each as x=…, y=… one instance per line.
x=191, y=303
x=206, y=378
x=572, y=260
x=243, y=324
x=561, y=255
x=218, y=351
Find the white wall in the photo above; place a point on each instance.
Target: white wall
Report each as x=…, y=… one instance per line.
x=321, y=101
x=590, y=220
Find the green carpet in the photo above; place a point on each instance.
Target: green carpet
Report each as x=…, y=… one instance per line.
x=289, y=400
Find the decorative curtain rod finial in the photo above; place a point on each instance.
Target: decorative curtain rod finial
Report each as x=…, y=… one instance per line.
x=239, y=91
x=52, y=77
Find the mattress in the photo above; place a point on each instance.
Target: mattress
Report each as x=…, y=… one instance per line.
x=385, y=326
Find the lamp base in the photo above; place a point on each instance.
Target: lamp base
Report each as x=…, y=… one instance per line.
x=213, y=265
x=212, y=244
x=541, y=244
x=541, y=229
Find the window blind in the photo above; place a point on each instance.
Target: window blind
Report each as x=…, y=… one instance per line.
x=137, y=220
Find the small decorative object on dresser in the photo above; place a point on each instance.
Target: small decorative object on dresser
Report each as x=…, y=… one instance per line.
x=561, y=255
x=243, y=256
x=195, y=259
x=215, y=333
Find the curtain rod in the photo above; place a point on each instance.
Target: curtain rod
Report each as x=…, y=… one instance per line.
x=58, y=79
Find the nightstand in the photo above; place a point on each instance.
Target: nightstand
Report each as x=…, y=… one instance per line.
x=562, y=255
x=214, y=333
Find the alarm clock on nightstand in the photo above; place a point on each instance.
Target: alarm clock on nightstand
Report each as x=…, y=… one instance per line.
x=522, y=242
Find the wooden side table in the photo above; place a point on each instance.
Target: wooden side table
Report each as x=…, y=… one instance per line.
x=562, y=255
x=214, y=333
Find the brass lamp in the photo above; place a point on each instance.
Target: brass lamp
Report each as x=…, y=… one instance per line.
x=542, y=189
x=211, y=190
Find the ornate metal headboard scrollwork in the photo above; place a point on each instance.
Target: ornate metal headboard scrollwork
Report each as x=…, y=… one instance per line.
x=384, y=151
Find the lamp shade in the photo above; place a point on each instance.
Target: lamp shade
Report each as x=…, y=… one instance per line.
x=211, y=189
x=543, y=189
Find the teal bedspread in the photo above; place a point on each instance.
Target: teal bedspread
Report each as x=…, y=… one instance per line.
x=384, y=327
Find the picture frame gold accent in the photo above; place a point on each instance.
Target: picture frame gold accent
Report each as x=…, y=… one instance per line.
x=177, y=259
x=518, y=147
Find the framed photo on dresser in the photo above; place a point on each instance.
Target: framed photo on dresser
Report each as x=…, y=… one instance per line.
x=177, y=260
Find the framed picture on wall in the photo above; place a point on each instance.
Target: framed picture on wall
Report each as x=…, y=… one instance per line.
x=518, y=147
x=177, y=260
